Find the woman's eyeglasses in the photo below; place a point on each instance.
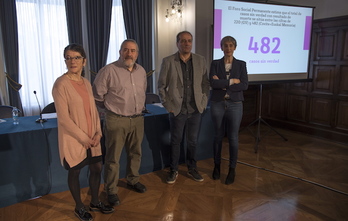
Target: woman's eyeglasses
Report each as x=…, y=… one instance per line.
x=77, y=58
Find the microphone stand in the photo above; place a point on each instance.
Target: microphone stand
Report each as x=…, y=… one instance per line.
x=39, y=120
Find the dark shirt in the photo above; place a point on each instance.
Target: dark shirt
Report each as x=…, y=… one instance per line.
x=188, y=103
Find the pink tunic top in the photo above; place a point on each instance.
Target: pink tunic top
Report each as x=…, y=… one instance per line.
x=74, y=125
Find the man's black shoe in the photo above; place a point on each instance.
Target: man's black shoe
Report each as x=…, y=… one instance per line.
x=138, y=187
x=83, y=215
x=195, y=175
x=106, y=209
x=113, y=199
x=173, y=174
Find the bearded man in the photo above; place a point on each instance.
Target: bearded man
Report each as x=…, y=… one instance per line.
x=120, y=89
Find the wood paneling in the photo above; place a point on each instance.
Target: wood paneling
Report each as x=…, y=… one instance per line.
x=320, y=112
x=323, y=79
x=326, y=45
x=345, y=47
x=343, y=81
x=318, y=107
x=342, y=116
x=299, y=87
x=297, y=108
x=279, y=109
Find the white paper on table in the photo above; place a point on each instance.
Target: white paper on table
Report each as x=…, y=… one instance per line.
x=49, y=116
x=158, y=104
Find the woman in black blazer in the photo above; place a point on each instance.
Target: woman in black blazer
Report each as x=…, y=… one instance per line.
x=228, y=79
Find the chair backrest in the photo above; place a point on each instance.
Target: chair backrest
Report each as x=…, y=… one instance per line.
x=5, y=111
x=152, y=98
x=50, y=108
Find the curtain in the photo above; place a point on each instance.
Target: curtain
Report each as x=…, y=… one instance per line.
x=74, y=23
x=42, y=37
x=138, y=22
x=98, y=30
x=8, y=20
x=73, y=17
x=117, y=31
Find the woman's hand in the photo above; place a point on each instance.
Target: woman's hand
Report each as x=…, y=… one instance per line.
x=88, y=144
x=96, y=140
x=92, y=142
x=215, y=77
x=235, y=80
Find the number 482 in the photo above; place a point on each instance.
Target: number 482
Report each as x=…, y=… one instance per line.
x=265, y=45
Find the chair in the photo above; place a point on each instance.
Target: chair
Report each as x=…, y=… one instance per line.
x=50, y=108
x=5, y=111
x=152, y=98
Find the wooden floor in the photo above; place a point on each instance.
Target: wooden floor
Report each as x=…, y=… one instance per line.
x=304, y=178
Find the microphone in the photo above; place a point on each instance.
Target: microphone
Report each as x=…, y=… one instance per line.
x=39, y=120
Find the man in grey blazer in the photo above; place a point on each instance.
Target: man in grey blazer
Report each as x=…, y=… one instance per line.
x=183, y=86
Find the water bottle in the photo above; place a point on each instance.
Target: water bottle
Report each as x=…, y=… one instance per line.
x=15, y=113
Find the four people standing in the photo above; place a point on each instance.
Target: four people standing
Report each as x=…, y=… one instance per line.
x=228, y=79
x=183, y=86
x=120, y=88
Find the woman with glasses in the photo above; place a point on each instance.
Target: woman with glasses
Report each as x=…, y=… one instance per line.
x=79, y=130
x=228, y=79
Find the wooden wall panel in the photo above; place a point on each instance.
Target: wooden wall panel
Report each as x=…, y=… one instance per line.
x=297, y=108
x=343, y=81
x=323, y=79
x=345, y=46
x=278, y=110
x=342, y=116
x=299, y=87
x=326, y=45
x=320, y=112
